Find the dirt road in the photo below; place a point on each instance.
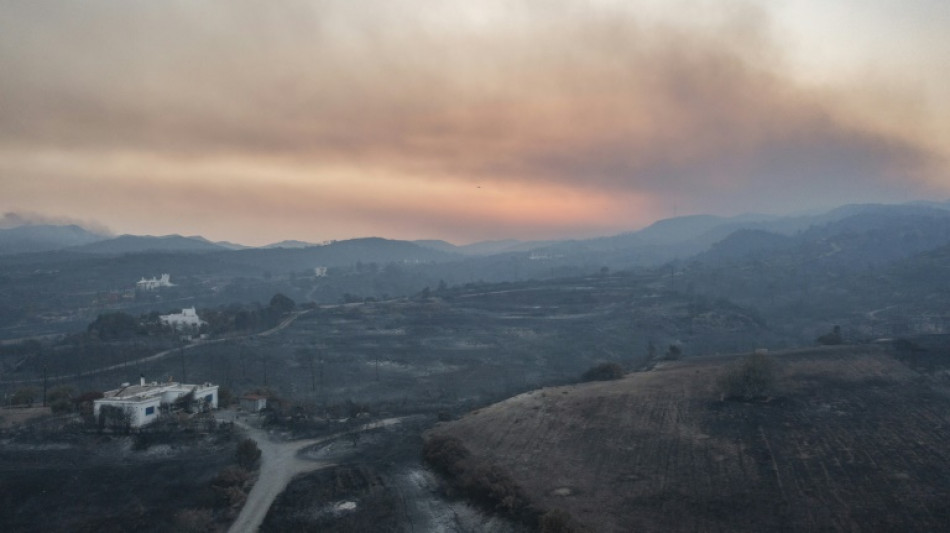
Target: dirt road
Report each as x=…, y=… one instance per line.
x=284, y=323
x=280, y=462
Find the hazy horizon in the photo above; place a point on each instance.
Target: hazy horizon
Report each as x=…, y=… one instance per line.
x=327, y=120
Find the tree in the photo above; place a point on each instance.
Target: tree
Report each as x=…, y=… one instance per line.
x=115, y=418
x=84, y=404
x=224, y=397
x=832, y=338
x=247, y=453
x=282, y=304
x=673, y=353
x=186, y=402
x=60, y=399
x=25, y=396
x=114, y=326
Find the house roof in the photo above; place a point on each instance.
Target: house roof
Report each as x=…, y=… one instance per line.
x=149, y=391
x=251, y=396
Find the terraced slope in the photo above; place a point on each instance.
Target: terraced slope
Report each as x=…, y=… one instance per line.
x=853, y=439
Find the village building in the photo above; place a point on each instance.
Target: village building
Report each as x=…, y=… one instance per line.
x=254, y=403
x=187, y=318
x=142, y=403
x=154, y=283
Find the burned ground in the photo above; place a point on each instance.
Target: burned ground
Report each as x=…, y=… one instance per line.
x=74, y=481
x=376, y=484
x=853, y=439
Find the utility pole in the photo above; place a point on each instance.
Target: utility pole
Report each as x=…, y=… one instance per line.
x=181, y=353
x=313, y=377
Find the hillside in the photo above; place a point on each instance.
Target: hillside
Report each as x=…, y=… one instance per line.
x=853, y=440
x=127, y=244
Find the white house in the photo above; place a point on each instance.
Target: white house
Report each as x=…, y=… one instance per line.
x=143, y=402
x=154, y=283
x=187, y=317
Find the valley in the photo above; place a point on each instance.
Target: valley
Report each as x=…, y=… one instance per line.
x=490, y=350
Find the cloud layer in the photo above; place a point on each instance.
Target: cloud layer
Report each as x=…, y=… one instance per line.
x=394, y=114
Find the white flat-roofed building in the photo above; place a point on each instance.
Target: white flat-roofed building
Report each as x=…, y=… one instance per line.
x=143, y=402
x=188, y=317
x=154, y=283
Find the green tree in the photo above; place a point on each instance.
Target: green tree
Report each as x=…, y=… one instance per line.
x=282, y=304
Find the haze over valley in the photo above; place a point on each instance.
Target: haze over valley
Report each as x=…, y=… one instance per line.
x=496, y=266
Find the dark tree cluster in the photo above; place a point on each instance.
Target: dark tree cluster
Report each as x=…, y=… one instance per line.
x=238, y=318
x=247, y=454
x=603, y=372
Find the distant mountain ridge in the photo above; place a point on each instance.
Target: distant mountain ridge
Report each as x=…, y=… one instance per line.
x=127, y=244
x=664, y=240
x=290, y=243
x=33, y=238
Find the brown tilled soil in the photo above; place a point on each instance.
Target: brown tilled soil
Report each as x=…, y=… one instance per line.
x=852, y=439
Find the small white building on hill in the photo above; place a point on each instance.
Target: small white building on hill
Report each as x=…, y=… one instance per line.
x=187, y=318
x=142, y=403
x=154, y=283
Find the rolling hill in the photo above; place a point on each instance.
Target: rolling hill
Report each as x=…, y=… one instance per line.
x=852, y=439
x=128, y=244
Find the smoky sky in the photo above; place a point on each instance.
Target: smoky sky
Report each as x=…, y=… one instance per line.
x=250, y=100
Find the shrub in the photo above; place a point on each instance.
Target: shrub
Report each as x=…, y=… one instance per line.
x=485, y=483
x=558, y=521
x=25, y=396
x=445, y=454
x=603, y=372
x=197, y=520
x=674, y=353
x=753, y=378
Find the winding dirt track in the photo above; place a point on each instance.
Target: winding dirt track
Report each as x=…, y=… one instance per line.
x=280, y=462
x=283, y=324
